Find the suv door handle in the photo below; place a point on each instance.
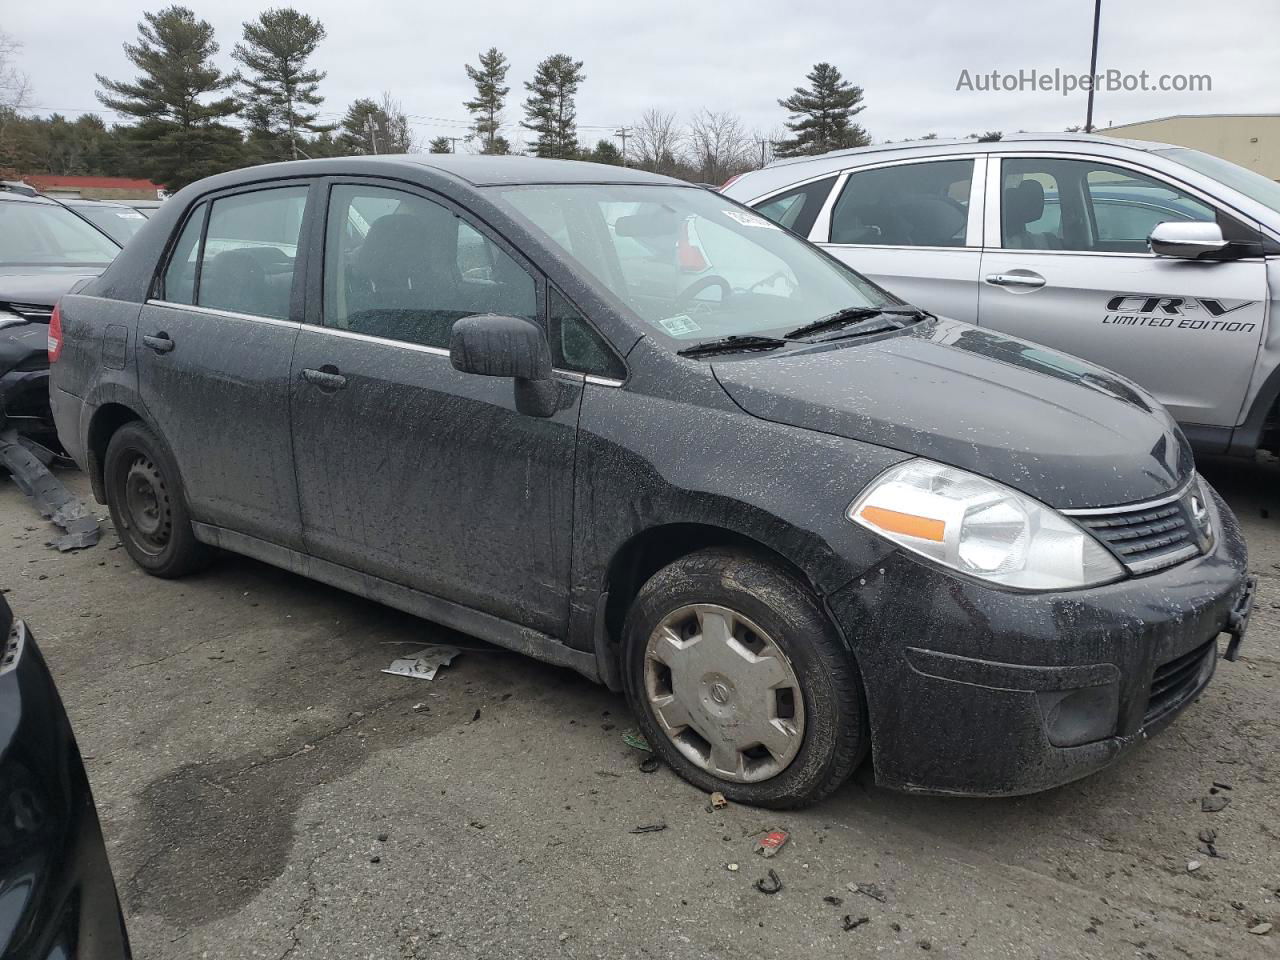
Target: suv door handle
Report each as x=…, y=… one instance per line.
x=1015, y=280
x=160, y=343
x=326, y=378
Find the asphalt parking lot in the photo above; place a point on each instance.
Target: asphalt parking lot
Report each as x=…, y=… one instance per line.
x=267, y=792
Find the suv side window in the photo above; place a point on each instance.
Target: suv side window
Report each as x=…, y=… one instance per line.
x=180, y=275
x=1085, y=205
x=908, y=204
x=250, y=250
x=575, y=345
x=402, y=267
x=797, y=209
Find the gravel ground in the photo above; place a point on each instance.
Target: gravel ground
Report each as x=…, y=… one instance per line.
x=267, y=792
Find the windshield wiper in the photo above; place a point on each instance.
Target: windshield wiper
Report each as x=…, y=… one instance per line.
x=850, y=315
x=734, y=344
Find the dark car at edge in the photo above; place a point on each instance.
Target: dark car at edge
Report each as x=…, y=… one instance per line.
x=629, y=426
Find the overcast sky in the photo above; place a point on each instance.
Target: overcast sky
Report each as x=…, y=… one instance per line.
x=742, y=56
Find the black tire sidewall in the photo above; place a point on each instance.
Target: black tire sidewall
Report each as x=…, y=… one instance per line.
x=836, y=732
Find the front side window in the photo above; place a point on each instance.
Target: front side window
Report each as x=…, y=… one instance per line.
x=1084, y=205
x=688, y=263
x=908, y=204
x=797, y=209
x=45, y=234
x=250, y=251
x=400, y=266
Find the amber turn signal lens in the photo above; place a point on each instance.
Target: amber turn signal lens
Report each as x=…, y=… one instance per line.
x=908, y=524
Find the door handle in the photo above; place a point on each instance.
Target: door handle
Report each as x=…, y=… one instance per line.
x=160, y=343
x=1015, y=280
x=326, y=378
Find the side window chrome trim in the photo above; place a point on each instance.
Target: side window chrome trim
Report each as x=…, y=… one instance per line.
x=229, y=314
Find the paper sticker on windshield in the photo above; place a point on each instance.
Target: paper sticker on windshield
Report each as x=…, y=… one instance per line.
x=129, y=215
x=679, y=325
x=749, y=219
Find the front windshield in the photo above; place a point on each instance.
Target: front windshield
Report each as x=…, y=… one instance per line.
x=45, y=234
x=118, y=223
x=689, y=263
x=1253, y=185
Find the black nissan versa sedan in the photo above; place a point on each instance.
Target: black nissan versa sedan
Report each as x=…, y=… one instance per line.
x=628, y=426
x=57, y=897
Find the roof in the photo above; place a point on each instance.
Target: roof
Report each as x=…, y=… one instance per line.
x=50, y=181
x=8, y=195
x=92, y=202
x=1197, y=116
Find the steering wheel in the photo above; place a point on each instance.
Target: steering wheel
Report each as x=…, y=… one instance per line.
x=686, y=297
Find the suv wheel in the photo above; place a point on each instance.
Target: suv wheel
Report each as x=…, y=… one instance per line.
x=741, y=683
x=147, y=505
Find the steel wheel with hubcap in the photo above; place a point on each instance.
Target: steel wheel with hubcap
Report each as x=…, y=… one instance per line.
x=740, y=682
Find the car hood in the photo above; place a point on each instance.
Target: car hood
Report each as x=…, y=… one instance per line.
x=1057, y=428
x=24, y=283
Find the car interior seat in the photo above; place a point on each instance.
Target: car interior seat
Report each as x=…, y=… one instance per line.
x=235, y=280
x=1024, y=204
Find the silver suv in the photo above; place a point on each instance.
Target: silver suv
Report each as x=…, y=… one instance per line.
x=1159, y=262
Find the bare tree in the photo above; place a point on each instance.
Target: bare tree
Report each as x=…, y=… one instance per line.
x=656, y=142
x=719, y=145
x=15, y=86
x=399, y=135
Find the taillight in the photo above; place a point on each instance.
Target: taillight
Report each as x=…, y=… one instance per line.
x=55, y=333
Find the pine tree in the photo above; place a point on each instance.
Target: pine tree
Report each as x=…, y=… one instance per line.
x=822, y=115
x=440, y=145
x=491, y=96
x=370, y=127
x=605, y=151
x=550, y=107
x=178, y=137
x=279, y=86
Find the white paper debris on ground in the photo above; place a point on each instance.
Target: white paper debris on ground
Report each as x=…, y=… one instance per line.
x=423, y=664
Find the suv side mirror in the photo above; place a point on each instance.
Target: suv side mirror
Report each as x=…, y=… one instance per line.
x=490, y=345
x=1191, y=240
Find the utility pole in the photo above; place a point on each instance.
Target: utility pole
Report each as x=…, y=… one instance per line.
x=454, y=142
x=623, y=132
x=763, y=143
x=373, y=134
x=1093, y=65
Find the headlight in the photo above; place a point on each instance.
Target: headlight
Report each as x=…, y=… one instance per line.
x=982, y=528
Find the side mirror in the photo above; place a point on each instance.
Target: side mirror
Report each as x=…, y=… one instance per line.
x=490, y=345
x=1187, y=240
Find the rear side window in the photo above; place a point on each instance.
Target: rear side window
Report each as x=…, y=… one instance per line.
x=797, y=209
x=402, y=267
x=908, y=205
x=180, y=275
x=250, y=250
x=575, y=345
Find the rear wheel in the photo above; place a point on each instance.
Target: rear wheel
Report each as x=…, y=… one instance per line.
x=741, y=683
x=147, y=505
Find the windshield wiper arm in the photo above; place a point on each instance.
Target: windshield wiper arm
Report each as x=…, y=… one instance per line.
x=734, y=344
x=843, y=318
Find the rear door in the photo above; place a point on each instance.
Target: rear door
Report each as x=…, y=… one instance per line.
x=214, y=349
x=1067, y=265
x=914, y=227
x=407, y=468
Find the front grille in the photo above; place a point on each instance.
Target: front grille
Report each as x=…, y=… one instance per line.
x=31, y=312
x=1174, y=681
x=1151, y=537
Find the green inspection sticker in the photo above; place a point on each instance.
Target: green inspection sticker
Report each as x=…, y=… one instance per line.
x=679, y=325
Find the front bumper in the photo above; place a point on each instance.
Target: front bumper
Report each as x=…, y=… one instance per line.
x=979, y=691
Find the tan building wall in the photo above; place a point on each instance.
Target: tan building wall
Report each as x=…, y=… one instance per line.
x=1251, y=140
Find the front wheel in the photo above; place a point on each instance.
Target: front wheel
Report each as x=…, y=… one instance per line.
x=741, y=683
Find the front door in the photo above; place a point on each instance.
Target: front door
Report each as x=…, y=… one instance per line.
x=408, y=469
x=915, y=228
x=1068, y=266
x=214, y=349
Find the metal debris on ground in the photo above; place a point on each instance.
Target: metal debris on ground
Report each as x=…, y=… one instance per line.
x=1214, y=804
x=769, y=884
x=424, y=664
x=54, y=501
x=872, y=890
x=772, y=842
x=649, y=764
x=636, y=740
x=850, y=923
x=718, y=801
x=651, y=827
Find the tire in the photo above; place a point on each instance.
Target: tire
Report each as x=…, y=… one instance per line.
x=799, y=688
x=148, y=506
